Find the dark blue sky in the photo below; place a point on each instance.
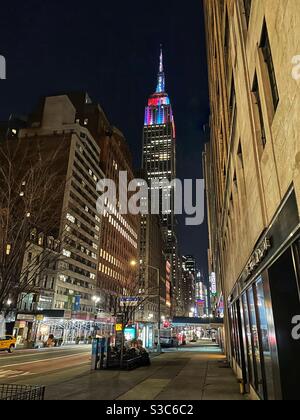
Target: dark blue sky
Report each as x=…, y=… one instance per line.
x=111, y=49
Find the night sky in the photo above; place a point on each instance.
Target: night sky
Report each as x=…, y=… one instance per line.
x=111, y=50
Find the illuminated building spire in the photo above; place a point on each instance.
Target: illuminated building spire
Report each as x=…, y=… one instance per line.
x=161, y=75
x=161, y=63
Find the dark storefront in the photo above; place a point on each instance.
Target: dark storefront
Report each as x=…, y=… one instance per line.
x=262, y=307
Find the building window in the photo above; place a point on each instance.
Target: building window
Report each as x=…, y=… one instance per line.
x=256, y=93
x=232, y=100
x=267, y=53
x=247, y=7
x=226, y=41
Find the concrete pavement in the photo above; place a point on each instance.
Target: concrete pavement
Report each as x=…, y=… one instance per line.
x=191, y=373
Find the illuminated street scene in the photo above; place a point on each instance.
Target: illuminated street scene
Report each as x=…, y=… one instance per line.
x=150, y=203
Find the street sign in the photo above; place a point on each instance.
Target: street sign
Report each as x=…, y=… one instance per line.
x=76, y=306
x=213, y=283
x=119, y=327
x=25, y=317
x=129, y=301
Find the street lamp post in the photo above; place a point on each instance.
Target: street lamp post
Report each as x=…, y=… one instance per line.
x=133, y=264
x=159, y=306
x=96, y=300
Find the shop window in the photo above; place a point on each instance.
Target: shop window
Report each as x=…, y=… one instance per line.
x=259, y=381
x=247, y=7
x=259, y=115
x=286, y=304
x=232, y=99
x=267, y=53
x=297, y=264
x=264, y=337
x=248, y=341
x=235, y=334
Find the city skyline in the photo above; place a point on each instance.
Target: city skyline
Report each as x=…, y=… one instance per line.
x=110, y=80
x=150, y=203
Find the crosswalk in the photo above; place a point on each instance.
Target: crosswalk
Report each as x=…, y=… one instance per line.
x=9, y=374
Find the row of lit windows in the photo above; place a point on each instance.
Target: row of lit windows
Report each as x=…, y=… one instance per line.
x=110, y=258
x=162, y=156
x=68, y=254
x=165, y=141
x=161, y=173
x=125, y=235
x=111, y=209
x=111, y=273
x=89, y=157
x=90, y=145
x=84, y=164
x=73, y=220
x=81, y=163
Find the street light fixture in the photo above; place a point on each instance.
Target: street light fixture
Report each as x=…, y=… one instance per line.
x=159, y=305
x=96, y=299
x=133, y=263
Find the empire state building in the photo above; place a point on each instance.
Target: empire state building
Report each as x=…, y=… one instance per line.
x=159, y=157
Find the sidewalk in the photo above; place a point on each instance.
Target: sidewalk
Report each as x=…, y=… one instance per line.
x=192, y=373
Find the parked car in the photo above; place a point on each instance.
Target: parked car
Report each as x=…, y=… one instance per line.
x=7, y=343
x=168, y=338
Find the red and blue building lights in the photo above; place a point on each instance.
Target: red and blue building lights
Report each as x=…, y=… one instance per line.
x=159, y=110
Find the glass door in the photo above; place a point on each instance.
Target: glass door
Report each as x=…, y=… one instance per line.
x=296, y=256
x=264, y=339
x=258, y=368
x=248, y=340
x=235, y=334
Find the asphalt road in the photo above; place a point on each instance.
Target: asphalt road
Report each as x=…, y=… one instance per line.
x=44, y=366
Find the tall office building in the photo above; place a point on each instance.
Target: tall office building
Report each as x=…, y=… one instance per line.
x=188, y=284
x=152, y=256
x=201, y=295
x=119, y=232
x=64, y=290
x=190, y=264
x=179, y=296
x=159, y=159
x=96, y=249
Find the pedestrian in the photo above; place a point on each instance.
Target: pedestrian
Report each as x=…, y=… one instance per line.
x=51, y=341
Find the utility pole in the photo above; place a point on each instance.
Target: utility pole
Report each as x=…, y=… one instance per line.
x=159, y=306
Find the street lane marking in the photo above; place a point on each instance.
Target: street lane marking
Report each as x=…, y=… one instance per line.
x=46, y=360
x=35, y=354
x=13, y=373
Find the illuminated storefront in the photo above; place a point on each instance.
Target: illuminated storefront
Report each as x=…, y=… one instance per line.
x=33, y=330
x=262, y=306
x=145, y=332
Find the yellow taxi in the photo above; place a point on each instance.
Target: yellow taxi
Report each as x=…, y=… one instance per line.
x=7, y=343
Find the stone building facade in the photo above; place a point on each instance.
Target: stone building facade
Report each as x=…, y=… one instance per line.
x=252, y=171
